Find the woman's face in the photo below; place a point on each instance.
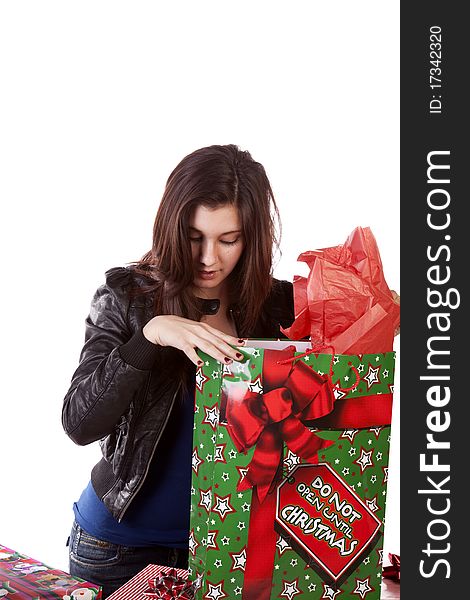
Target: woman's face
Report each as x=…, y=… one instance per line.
x=216, y=244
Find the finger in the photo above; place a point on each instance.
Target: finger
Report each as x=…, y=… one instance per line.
x=213, y=350
x=192, y=355
x=224, y=348
x=229, y=339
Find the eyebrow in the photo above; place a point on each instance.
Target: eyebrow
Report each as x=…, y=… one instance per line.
x=225, y=233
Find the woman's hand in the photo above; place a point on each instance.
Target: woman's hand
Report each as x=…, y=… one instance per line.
x=187, y=335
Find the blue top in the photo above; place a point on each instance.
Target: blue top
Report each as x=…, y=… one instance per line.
x=159, y=514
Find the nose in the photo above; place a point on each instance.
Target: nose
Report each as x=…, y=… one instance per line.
x=208, y=256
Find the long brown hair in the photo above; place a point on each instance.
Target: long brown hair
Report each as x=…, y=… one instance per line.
x=213, y=176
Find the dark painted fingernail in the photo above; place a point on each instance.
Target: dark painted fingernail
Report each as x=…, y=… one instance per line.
x=239, y=355
x=228, y=360
x=241, y=341
x=200, y=363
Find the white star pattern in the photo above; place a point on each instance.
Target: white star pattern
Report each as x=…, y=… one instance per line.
x=225, y=541
x=312, y=587
x=219, y=453
x=225, y=476
x=212, y=416
x=378, y=456
x=245, y=507
x=291, y=460
x=372, y=376
x=282, y=545
x=195, y=461
x=215, y=374
x=293, y=562
x=362, y=587
x=226, y=370
x=241, y=525
x=211, y=539
x=372, y=504
x=352, y=451
x=329, y=593
x=232, y=454
x=239, y=560
x=365, y=460
x=256, y=386
x=336, y=360
x=290, y=589
x=338, y=393
x=385, y=474
x=237, y=591
x=345, y=471
x=242, y=471
x=222, y=506
x=360, y=368
x=206, y=499
x=385, y=372
x=192, y=543
x=217, y=563
x=200, y=380
x=256, y=353
x=215, y=592
x=376, y=431
x=209, y=457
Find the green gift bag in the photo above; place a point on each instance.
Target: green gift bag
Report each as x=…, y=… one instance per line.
x=289, y=479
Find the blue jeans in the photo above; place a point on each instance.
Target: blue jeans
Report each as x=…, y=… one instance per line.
x=111, y=565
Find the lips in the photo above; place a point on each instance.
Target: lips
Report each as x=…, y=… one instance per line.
x=207, y=274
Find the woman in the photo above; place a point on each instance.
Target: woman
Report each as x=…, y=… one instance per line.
x=206, y=284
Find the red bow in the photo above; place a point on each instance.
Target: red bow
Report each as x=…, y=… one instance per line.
x=291, y=393
x=170, y=585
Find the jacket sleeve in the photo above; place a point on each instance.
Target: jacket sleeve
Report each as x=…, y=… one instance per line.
x=114, y=364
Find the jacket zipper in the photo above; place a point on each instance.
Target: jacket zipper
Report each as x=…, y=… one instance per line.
x=126, y=505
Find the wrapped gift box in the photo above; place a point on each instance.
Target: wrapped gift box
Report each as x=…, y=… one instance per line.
x=24, y=577
x=143, y=585
x=289, y=487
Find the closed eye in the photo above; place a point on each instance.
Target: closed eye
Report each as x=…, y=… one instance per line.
x=225, y=242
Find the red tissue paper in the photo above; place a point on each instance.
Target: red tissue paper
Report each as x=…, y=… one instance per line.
x=345, y=302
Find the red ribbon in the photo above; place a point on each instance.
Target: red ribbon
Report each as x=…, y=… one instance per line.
x=292, y=393
x=393, y=571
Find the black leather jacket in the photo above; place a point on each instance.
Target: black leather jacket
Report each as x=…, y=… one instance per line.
x=122, y=392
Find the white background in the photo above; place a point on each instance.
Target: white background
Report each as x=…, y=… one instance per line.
x=99, y=102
